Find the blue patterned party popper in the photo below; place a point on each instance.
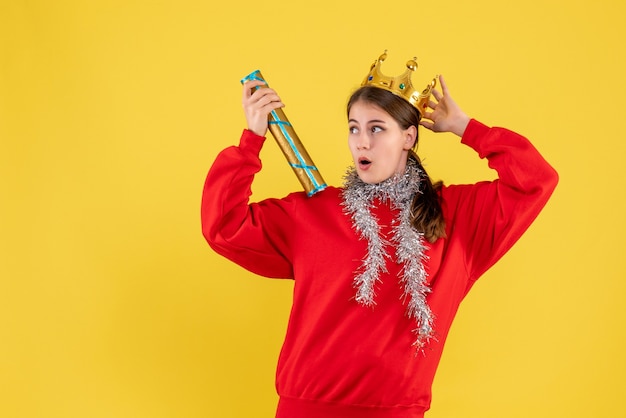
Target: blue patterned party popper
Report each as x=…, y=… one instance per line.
x=290, y=145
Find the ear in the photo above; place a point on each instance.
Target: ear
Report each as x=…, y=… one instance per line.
x=410, y=137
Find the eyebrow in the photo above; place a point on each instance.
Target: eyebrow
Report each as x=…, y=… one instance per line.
x=369, y=121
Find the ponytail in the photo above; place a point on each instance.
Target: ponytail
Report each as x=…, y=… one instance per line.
x=426, y=213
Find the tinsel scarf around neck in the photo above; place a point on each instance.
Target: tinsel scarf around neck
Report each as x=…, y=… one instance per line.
x=399, y=190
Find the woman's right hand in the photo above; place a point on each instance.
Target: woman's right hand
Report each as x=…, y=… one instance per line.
x=257, y=105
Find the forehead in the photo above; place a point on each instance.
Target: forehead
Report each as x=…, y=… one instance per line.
x=363, y=111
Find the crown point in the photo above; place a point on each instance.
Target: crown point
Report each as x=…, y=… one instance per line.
x=411, y=64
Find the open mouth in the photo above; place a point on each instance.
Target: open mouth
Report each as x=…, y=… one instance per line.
x=364, y=162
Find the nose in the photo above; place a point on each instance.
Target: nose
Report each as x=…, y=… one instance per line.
x=362, y=142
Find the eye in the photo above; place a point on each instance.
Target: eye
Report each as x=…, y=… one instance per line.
x=376, y=129
x=353, y=129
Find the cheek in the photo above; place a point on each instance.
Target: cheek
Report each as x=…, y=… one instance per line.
x=352, y=145
x=352, y=154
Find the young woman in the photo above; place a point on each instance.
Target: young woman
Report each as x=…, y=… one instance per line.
x=381, y=264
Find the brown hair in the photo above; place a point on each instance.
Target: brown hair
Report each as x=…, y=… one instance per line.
x=426, y=213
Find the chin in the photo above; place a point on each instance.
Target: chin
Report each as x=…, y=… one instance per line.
x=369, y=178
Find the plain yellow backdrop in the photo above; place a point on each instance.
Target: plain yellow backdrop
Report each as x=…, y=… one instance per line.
x=111, y=112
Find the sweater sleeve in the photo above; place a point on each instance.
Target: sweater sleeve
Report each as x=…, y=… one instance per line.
x=489, y=217
x=253, y=235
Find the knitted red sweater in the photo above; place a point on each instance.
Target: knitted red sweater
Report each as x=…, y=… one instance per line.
x=341, y=359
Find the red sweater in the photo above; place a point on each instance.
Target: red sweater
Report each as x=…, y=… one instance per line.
x=339, y=358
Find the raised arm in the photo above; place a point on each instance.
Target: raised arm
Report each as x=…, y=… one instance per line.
x=489, y=217
x=253, y=235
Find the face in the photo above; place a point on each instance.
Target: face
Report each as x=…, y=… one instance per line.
x=378, y=144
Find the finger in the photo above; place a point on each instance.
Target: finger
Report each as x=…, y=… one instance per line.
x=269, y=107
x=437, y=94
x=264, y=97
x=274, y=105
x=250, y=87
x=262, y=109
x=432, y=104
x=427, y=115
x=260, y=97
x=427, y=124
x=444, y=86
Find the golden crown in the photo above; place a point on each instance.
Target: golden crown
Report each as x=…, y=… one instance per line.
x=401, y=85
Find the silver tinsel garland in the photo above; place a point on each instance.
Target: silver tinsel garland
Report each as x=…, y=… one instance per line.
x=399, y=191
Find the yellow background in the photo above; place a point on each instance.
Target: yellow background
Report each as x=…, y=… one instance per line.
x=111, y=112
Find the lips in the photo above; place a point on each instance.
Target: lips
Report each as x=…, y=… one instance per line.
x=364, y=163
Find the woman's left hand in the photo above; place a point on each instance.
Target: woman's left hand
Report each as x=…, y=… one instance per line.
x=446, y=115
